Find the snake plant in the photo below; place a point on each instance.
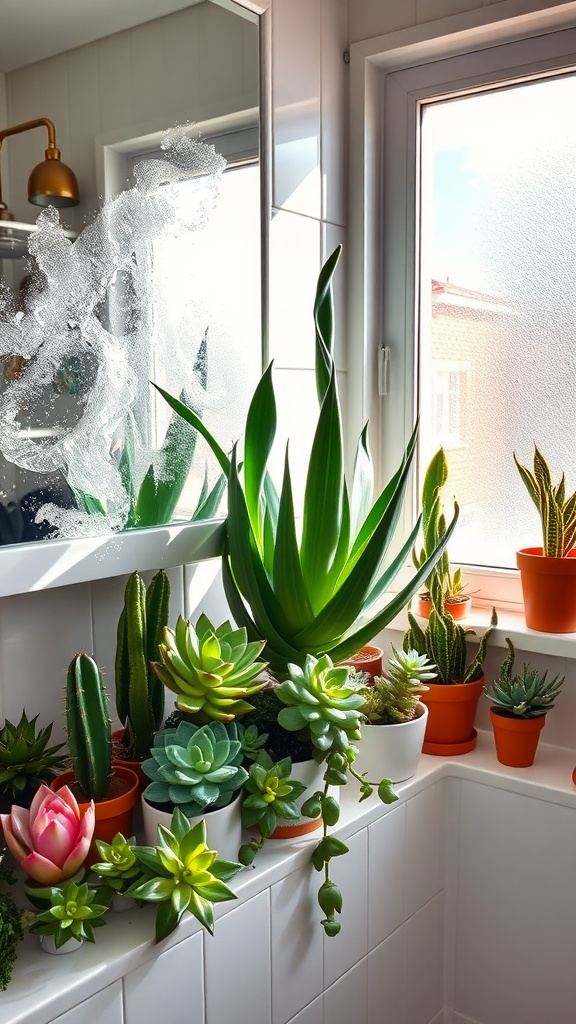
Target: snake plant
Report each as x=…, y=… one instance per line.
x=556, y=510
x=210, y=669
x=434, y=528
x=444, y=643
x=526, y=695
x=315, y=594
x=88, y=726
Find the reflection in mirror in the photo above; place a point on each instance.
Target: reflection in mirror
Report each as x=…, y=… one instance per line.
x=161, y=284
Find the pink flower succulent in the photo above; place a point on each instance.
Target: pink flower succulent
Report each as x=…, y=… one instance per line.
x=52, y=839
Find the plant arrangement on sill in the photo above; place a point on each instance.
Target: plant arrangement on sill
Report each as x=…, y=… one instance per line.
x=452, y=697
x=520, y=703
x=450, y=584
x=316, y=595
x=548, y=573
x=26, y=761
x=139, y=692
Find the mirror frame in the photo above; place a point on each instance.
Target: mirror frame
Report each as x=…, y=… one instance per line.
x=41, y=565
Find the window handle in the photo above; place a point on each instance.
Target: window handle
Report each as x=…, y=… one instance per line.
x=383, y=370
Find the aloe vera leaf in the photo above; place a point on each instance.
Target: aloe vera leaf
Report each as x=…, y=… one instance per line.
x=287, y=578
x=258, y=441
x=209, y=504
x=194, y=420
x=324, y=323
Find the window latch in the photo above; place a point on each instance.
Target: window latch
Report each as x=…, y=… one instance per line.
x=384, y=370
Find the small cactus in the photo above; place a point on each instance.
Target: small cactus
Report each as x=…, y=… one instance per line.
x=88, y=725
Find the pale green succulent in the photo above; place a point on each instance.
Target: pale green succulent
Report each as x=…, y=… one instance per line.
x=210, y=669
x=395, y=696
x=183, y=874
x=73, y=914
x=195, y=767
x=528, y=695
x=118, y=866
x=321, y=698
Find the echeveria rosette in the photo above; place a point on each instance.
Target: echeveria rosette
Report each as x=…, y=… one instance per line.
x=210, y=669
x=72, y=915
x=118, y=866
x=271, y=795
x=183, y=874
x=195, y=767
x=322, y=699
x=51, y=840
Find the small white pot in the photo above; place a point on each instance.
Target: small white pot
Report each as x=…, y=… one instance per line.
x=48, y=945
x=223, y=826
x=392, y=751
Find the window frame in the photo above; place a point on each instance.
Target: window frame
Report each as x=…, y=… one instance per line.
x=391, y=77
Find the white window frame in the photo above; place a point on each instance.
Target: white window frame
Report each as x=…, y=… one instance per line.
x=390, y=77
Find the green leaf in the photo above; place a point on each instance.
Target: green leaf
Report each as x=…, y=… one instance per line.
x=259, y=438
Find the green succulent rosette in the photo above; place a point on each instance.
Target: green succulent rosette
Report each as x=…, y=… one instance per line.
x=322, y=699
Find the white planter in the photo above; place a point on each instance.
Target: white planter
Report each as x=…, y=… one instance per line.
x=223, y=826
x=392, y=751
x=47, y=945
x=311, y=775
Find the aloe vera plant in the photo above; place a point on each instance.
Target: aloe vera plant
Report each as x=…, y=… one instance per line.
x=528, y=694
x=139, y=692
x=26, y=760
x=88, y=726
x=314, y=595
x=557, y=511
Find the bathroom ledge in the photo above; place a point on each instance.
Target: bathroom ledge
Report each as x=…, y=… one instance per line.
x=44, y=987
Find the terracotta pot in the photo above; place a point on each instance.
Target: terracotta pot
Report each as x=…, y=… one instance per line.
x=311, y=775
x=516, y=738
x=223, y=826
x=548, y=590
x=112, y=815
x=368, y=659
x=452, y=710
x=457, y=607
x=122, y=762
x=392, y=751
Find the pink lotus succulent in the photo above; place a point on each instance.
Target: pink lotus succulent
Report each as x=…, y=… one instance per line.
x=52, y=839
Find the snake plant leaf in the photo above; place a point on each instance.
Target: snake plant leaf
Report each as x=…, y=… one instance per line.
x=259, y=436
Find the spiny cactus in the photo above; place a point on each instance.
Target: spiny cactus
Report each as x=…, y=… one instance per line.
x=26, y=760
x=195, y=767
x=320, y=698
x=139, y=692
x=395, y=696
x=526, y=695
x=88, y=726
x=557, y=512
x=210, y=669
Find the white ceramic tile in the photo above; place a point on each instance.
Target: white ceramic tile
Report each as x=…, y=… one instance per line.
x=296, y=106
x=386, y=875
x=39, y=634
x=423, y=963
x=294, y=257
x=386, y=981
x=297, y=964
x=334, y=109
x=516, y=908
x=204, y=592
x=350, y=872
x=347, y=999
x=311, y=1014
x=424, y=847
x=237, y=965
x=332, y=235
x=104, y=1007
x=159, y=989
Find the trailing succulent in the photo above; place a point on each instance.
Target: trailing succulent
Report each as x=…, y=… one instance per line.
x=195, y=767
x=557, y=511
x=444, y=643
x=26, y=760
x=529, y=694
x=393, y=698
x=139, y=692
x=210, y=669
x=316, y=594
x=88, y=726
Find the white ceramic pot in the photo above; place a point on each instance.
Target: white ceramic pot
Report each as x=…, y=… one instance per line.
x=48, y=945
x=223, y=826
x=392, y=751
x=311, y=775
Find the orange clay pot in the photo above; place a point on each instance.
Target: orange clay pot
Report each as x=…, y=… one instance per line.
x=549, y=590
x=113, y=814
x=458, y=608
x=368, y=659
x=451, y=713
x=516, y=739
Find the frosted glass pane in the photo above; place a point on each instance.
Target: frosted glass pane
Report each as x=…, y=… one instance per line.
x=498, y=303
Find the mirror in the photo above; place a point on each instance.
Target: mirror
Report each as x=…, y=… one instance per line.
x=81, y=430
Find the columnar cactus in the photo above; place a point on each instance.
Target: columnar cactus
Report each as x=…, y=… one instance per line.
x=88, y=725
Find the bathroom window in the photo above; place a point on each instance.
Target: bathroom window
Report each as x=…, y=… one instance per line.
x=491, y=200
